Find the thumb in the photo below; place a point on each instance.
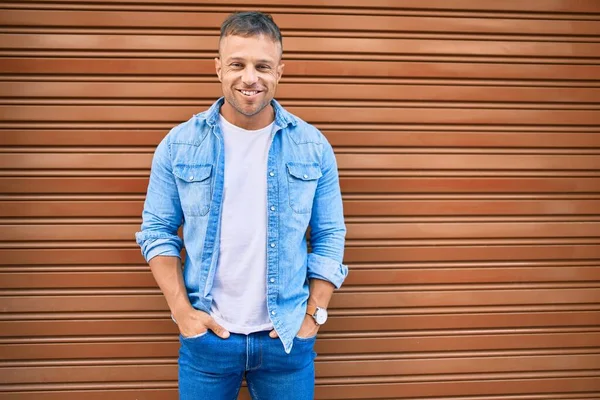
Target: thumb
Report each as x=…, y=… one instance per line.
x=273, y=334
x=217, y=329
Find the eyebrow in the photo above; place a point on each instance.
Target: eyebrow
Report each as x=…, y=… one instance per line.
x=261, y=61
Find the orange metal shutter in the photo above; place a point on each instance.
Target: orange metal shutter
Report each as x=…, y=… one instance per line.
x=468, y=139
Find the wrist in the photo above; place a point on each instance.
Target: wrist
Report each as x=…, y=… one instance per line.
x=181, y=312
x=318, y=314
x=312, y=323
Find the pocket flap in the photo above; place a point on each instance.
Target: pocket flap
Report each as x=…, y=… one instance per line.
x=192, y=173
x=305, y=172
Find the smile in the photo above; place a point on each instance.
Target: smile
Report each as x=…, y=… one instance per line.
x=249, y=92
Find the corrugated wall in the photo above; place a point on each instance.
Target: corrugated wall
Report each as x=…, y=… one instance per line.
x=468, y=138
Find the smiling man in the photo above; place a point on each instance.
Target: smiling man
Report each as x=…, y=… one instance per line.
x=246, y=179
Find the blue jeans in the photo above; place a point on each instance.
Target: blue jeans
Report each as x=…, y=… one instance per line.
x=212, y=368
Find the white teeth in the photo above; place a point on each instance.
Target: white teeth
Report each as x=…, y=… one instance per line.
x=249, y=92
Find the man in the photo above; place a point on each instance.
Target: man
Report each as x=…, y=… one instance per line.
x=246, y=179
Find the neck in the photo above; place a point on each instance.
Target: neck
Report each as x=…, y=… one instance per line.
x=250, y=123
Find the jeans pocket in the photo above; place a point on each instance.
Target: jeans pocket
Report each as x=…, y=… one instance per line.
x=306, y=339
x=198, y=336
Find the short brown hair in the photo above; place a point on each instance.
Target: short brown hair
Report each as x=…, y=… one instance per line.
x=251, y=23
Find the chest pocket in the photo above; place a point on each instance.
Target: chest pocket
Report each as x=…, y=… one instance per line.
x=302, y=180
x=195, y=190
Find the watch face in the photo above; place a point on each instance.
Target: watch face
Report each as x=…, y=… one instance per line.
x=321, y=316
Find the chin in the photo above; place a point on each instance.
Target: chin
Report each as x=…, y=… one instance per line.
x=250, y=112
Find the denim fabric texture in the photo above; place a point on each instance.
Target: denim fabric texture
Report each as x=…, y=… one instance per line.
x=186, y=188
x=213, y=368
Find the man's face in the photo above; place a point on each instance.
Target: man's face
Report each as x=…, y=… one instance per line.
x=249, y=69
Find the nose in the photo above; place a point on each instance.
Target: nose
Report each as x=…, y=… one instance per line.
x=249, y=77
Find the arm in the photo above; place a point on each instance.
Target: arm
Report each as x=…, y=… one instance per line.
x=327, y=235
x=168, y=274
x=162, y=215
x=161, y=246
x=327, y=228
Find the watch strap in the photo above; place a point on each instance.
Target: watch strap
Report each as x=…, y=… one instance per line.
x=311, y=309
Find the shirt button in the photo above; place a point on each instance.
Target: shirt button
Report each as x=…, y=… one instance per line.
x=305, y=176
x=272, y=244
x=271, y=173
x=272, y=280
x=272, y=208
x=192, y=178
x=273, y=313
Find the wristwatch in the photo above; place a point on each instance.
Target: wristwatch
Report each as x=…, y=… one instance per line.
x=318, y=313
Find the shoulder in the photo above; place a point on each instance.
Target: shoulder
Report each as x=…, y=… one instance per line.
x=302, y=132
x=299, y=131
x=192, y=132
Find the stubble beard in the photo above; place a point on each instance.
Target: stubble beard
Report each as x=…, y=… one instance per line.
x=240, y=109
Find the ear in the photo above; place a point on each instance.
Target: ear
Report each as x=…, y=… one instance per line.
x=280, y=71
x=218, y=67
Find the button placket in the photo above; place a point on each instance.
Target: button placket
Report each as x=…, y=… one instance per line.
x=272, y=252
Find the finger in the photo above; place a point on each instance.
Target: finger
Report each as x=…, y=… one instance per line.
x=273, y=334
x=217, y=329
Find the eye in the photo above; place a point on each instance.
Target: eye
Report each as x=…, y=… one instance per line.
x=264, y=67
x=235, y=65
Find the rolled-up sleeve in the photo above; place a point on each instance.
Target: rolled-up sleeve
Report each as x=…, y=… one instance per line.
x=327, y=228
x=162, y=215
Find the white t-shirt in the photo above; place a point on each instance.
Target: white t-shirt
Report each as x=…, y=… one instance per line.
x=239, y=290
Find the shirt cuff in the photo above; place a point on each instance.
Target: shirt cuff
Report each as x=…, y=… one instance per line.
x=326, y=269
x=159, y=244
x=164, y=249
x=160, y=247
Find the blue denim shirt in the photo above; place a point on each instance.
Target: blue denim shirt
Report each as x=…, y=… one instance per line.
x=186, y=187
